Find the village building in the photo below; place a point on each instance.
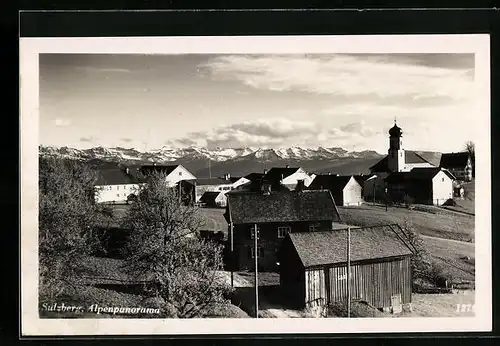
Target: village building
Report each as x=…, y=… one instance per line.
x=346, y=190
x=223, y=184
x=313, y=267
x=176, y=176
x=275, y=214
x=214, y=199
x=421, y=185
x=397, y=160
x=287, y=177
x=459, y=164
x=115, y=185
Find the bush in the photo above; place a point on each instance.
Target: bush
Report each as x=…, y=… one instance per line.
x=358, y=309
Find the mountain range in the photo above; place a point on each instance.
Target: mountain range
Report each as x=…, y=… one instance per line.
x=205, y=162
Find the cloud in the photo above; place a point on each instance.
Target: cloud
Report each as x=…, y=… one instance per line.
x=89, y=139
x=126, y=140
x=274, y=133
x=62, y=122
x=343, y=76
x=102, y=69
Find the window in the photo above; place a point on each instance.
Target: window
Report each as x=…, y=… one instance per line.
x=283, y=231
x=442, y=179
x=313, y=228
x=180, y=173
x=260, y=252
x=220, y=188
x=118, y=187
x=252, y=232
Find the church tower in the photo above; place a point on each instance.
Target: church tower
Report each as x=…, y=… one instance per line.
x=396, y=154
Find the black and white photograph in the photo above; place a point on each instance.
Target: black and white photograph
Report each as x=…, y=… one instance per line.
x=278, y=188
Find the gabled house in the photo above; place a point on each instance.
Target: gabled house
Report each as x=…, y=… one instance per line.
x=175, y=176
x=313, y=267
x=459, y=164
x=287, y=177
x=212, y=185
x=173, y=173
x=421, y=185
x=346, y=190
x=215, y=199
x=275, y=214
x=115, y=185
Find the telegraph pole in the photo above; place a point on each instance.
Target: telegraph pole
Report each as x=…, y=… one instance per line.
x=209, y=169
x=256, y=254
x=232, y=255
x=348, y=272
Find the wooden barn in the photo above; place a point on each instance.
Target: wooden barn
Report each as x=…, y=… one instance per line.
x=346, y=190
x=313, y=268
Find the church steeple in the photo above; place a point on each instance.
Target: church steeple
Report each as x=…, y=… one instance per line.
x=396, y=155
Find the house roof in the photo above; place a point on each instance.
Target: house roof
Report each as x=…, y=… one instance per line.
x=428, y=173
x=234, y=179
x=276, y=174
x=209, y=196
x=166, y=169
x=411, y=157
x=330, y=182
x=362, y=178
x=417, y=173
x=255, y=176
x=114, y=176
x=284, y=206
x=213, y=181
x=369, y=243
x=454, y=160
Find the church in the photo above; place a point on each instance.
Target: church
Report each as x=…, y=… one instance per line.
x=408, y=176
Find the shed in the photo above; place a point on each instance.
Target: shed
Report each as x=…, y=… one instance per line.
x=313, y=267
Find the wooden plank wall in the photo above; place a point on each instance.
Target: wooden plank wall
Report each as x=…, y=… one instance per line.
x=375, y=283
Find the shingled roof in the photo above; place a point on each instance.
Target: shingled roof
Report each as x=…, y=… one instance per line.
x=329, y=247
x=454, y=160
x=209, y=197
x=114, y=176
x=165, y=169
x=276, y=174
x=213, y=181
x=330, y=182
x=284, y=206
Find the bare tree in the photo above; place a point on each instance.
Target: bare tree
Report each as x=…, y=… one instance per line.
x=67, y=212
x=165, y=251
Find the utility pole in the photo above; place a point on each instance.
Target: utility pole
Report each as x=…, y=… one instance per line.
x=232, y=255
x=348, y=272
x=209, y=169
x=256, y=255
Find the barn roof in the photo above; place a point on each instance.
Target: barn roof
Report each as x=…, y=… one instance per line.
x=428, y=173
x=276, y=174
x=209, y=196
x=283, y=206
x=330, y=247
x=454, y=160
x=254, y=176
x=213, y=181
x=114, y=176
x=166, y=169
x=330, y=182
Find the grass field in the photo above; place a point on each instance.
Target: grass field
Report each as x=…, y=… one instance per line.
x=445, y=224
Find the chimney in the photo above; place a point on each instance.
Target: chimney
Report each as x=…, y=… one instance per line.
x=300, y=185
x=227, y=176
x=265, y=170
x=154, y=163
x=127, y=170
x=329, y=173
x=287, y=166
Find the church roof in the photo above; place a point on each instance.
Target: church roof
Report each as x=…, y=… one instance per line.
x=411, y=157
x=395, y=131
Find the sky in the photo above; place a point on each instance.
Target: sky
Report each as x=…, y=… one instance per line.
x=148, y=102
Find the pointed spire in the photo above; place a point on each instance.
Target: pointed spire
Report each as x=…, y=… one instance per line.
x=394, y=120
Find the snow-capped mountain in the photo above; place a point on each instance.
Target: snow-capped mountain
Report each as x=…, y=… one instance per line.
x=166, y=154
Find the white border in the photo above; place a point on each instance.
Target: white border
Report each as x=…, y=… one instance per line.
x=29, y=121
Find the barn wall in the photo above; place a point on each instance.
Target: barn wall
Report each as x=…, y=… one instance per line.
x=373, y=282
x=442, y=188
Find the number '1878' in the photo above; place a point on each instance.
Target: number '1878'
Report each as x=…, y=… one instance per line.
x=465, y=307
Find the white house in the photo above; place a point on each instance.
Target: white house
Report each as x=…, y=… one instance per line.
x=432, y=185
x=174, y=173
x=225, y=184
x=346, y=190
x=287, y=176
x=115, y=185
